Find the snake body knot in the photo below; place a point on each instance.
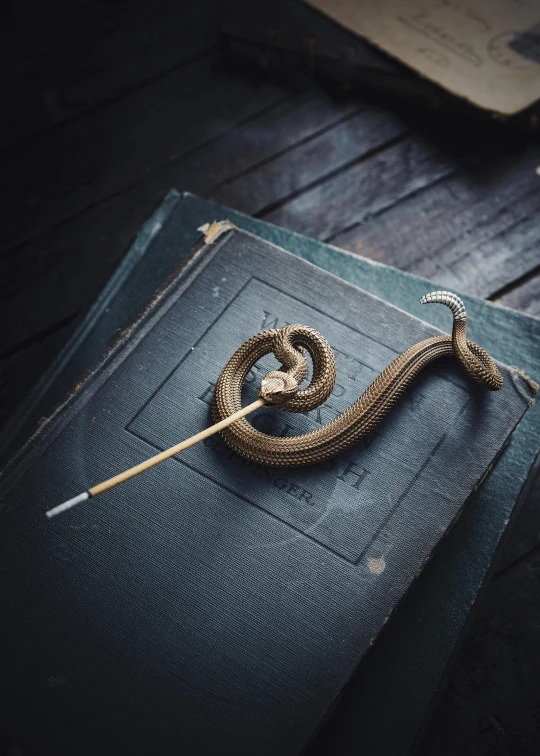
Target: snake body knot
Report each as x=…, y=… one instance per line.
x=282, y=387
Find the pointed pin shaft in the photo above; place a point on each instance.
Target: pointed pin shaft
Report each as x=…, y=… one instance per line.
x=155, y=460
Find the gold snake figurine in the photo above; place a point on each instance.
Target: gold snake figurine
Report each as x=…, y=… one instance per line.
x=282, y=387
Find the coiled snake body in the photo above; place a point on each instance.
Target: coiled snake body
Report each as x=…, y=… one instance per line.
x=281, y=387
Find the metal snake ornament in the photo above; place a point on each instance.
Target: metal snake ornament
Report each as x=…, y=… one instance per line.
x=281, y=388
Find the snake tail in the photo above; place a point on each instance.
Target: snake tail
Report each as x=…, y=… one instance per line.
x=476, y=361
x=281, y=387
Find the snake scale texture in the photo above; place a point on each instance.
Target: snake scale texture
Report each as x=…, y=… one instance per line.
x=282, y=387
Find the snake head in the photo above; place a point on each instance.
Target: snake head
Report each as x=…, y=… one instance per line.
x=277, y=387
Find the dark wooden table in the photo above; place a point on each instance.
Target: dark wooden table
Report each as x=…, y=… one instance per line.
x=108, y=105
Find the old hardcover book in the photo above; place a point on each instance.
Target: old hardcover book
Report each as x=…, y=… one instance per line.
x=210, y=604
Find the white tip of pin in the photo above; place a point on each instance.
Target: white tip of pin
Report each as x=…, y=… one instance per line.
x=68, y=504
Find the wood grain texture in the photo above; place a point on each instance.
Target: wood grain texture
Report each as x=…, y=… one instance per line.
x=474, y=231
x=18, y=372
x=490, y=704
x=524, y=538
x=525, y=298
x=68, y=58
x=366, y=188
x=81, y=163
x=310, y=162
x=80, y=254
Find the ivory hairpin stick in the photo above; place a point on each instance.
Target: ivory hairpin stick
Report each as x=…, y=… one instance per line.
x=155, y=460
x=281, y=388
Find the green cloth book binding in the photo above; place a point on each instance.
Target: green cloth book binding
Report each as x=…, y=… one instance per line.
x=395, y=682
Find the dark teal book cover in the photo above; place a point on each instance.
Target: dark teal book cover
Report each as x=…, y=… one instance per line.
x=443, y=591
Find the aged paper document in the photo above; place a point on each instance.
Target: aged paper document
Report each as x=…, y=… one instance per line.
x=486, y=51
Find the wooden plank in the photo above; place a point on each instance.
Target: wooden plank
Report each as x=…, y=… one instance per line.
x=365, y=188
x=491, y=701
x=524, y=537
x=525, y=297
x=68, y=58
x=64, y=171
x=20, y=372
x=293, y=171
x=475, y=232
x=300, y=119
x=62, y=271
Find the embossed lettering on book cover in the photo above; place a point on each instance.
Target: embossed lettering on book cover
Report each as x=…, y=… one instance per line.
x=486, y=51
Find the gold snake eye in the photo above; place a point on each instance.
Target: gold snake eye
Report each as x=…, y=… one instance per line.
x=277, y=387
